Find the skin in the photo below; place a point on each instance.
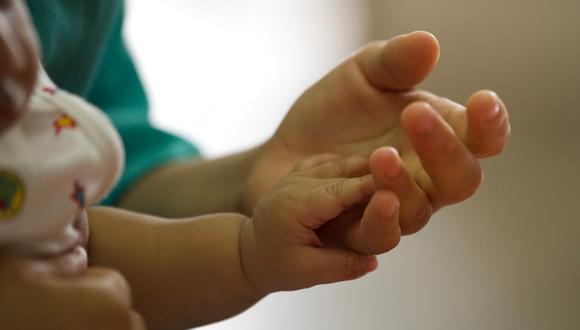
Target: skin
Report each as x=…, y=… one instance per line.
x=420, y=152
x=18, y=61
x=221, y=264
x=100, y=298
x=367, y=103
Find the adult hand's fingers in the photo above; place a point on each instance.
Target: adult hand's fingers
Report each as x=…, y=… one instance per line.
x=400, y=63
x=388, y=173
x=452, y=171
x=378, y=231
x=488, y=126
x=483, y=127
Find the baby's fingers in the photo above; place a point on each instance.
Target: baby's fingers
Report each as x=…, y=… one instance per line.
x=333, y=197
x=378, y=231
x=331, y=265
x=389, y=173
x=327, y=166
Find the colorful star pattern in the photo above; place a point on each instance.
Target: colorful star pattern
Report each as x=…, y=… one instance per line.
x=63, y=122
x=78, y=194
x=49, y=90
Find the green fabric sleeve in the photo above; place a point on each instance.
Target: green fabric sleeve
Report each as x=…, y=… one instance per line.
x=84, y=52
x=118, y=91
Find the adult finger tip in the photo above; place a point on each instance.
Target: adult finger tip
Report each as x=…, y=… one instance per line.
x=425, y=41
x=488, y=123
x=409, y=58
x=419, y=118
x=484, y=106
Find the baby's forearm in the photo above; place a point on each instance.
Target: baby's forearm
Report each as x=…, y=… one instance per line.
x=183, y=273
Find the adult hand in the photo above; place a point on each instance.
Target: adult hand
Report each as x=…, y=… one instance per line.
x=18, y=60
x=34, y=294
x=370, y=101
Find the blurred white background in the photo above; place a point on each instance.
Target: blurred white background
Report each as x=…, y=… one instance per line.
x=223, y=73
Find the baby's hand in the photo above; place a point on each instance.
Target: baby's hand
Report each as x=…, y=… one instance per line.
x=18, y=60
x=281, y=247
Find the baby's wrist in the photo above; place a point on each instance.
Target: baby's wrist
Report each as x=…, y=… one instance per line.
x=249, y=259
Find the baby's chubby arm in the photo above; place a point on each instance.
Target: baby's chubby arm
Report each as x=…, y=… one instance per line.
x=193, y=271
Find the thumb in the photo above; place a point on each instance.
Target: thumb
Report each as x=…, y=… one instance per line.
x=400, y=63
x=331, y=265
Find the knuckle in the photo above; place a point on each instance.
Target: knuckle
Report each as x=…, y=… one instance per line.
x=340, y=167
x=335, y=189
x=312, y=161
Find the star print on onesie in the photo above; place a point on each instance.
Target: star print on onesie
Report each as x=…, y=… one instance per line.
x=61, y=156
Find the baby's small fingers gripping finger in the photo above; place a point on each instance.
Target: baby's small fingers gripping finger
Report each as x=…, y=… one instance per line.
x=483, y=126
x=331, y=265
x=335, y=196
x=327, y=166
x=388, y=172
x=378, y=231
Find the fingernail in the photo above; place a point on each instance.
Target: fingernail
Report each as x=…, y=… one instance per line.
x=372, y=264
x=493, y=113
x=394, y=169
x=425, y=125
x=388, y=212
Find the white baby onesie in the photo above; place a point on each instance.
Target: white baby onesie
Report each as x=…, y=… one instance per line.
x=62, y=155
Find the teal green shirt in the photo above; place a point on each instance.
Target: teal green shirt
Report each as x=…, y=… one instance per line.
x=84, y=53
